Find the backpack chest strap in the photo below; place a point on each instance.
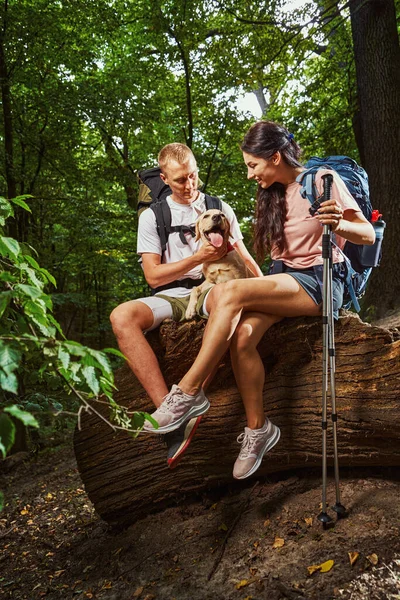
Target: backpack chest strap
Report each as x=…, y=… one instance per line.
x=183, y=230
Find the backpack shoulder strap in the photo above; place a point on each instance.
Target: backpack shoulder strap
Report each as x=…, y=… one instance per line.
x=162, y=213
x=163, y=219
x=212, y=202
x=308, y=187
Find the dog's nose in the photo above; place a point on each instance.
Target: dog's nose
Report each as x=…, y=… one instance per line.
x=216, y=218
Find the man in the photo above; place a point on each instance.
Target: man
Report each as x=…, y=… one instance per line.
x=180, y=262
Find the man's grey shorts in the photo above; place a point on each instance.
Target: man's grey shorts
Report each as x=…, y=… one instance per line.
x=171, y=307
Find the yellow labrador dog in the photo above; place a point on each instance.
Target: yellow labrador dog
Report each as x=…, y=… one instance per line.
x=212, y=227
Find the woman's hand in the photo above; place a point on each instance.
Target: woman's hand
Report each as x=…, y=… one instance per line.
x=330, y=213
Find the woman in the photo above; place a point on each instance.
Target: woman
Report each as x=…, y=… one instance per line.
x=244, y=309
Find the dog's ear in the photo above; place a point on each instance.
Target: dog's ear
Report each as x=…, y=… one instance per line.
x=197, y=230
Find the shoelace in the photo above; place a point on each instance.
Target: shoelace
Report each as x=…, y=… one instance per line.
x=171, y=399
x=248, y=441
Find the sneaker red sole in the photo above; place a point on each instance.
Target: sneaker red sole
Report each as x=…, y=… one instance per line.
x=173, y=462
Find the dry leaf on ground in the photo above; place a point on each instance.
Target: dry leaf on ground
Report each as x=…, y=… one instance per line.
x=322, y=568
x=373, y=559
x=353, y=556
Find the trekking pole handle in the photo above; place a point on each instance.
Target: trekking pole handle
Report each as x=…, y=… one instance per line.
x=327, y=180
x=326, y=237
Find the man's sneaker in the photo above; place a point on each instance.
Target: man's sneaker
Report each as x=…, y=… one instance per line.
x=255, y=443
x=178, y=441
x=177, y=407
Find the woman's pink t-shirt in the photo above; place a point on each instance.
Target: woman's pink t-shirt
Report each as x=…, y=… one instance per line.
x=303, y=233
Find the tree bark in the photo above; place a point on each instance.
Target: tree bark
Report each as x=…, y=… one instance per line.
x=377, y=60
x=127, y=479
x=7, y=122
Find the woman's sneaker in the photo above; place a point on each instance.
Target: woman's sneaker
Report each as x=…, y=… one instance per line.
x=255, y=443
x=178, y=441
x=176, y=408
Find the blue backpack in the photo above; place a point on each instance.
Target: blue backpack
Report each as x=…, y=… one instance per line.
x=360, y=259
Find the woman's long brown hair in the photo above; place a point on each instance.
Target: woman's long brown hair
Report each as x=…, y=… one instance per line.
x=262, y=140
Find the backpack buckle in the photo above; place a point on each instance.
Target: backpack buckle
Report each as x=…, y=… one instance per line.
x=315, y=206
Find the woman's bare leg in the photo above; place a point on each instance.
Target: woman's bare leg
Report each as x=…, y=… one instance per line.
x=247, y=365
x=279, y=295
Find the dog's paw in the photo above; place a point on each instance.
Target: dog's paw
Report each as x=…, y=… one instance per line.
x=190, y=313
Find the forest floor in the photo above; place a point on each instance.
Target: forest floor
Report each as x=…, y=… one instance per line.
x=251, y=541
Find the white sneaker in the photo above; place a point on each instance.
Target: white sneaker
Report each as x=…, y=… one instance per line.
x=176, y=408
x=255, y=443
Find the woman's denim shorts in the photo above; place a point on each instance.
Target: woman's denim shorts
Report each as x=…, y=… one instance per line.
x=311, y=281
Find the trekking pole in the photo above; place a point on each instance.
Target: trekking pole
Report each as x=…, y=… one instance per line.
x=326, y=289
x=338, y=506
x=328, y=364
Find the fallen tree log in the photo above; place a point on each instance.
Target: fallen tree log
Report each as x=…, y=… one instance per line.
x=127, y=478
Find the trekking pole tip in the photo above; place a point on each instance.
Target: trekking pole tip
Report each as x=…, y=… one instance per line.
x=340, y=510
x=325, y=519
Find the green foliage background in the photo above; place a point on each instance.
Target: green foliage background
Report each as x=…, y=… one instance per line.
x=97, y=88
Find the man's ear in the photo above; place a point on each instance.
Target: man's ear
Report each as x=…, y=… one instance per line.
x=163, y=178
x=197, y=229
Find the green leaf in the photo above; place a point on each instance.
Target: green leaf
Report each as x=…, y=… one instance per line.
x=49, y=276
x=5, y=299
x=152, y=421
x=19, y=200
x=43, y=323
x=24, y=416
x=114, y=351
x=102, y=360
x=7, y=434
x=137, y=422
x=89, y=374
x=64, y=357
x=6, y=210
x=6, y=276
x=9, y=357
x=29, y=290
x=9, y=247
x=31, y=261
x=8, y=382
x=75, y=348
x=56, y=325
x=31, y=274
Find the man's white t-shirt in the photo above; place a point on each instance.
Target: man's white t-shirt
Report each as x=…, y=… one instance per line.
x=181, y=214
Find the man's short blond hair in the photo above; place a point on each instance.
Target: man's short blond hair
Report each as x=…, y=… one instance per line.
x=177, y=152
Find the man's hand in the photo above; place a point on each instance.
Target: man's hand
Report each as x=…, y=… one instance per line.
x=208, y=253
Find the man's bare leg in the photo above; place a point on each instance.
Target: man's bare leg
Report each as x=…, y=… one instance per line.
x=129, y=320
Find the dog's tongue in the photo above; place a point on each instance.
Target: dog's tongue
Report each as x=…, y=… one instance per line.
x=216, y=239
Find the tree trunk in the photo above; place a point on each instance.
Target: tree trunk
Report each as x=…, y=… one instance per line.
x=8, y=124
x=377, y=59
x=127, y=479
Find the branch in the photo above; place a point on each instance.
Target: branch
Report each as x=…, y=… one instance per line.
x=212, y=160
x=87, y=407
x=187, y=85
